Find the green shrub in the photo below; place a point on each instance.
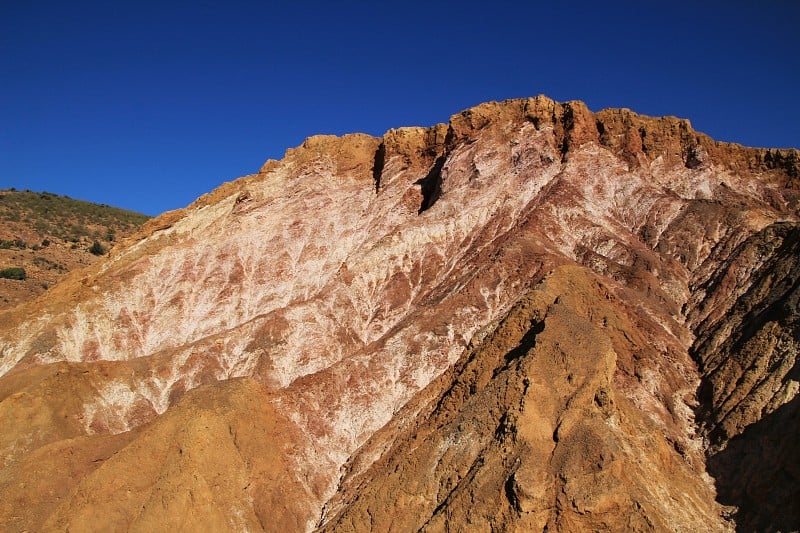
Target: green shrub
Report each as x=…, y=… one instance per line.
x=16, y=243
x=97, y=248
x=13, y=273
x=65, y=218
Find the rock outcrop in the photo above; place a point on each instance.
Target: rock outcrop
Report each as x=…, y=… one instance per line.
x=533, y=317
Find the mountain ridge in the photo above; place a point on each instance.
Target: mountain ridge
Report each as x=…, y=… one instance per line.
x=406, y=140
x=342, y=293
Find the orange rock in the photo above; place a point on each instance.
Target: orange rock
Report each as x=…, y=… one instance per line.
x=488, y=324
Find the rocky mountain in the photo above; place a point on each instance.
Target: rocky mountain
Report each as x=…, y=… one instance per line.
x=532, y=317
x=43, y=236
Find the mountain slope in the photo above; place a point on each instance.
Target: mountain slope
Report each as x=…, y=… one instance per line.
x=498, y=322
x=530, y=431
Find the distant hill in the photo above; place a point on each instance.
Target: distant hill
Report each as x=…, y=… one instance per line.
x=44, y=235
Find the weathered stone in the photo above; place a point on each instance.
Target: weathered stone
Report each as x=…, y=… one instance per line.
x=484, y=324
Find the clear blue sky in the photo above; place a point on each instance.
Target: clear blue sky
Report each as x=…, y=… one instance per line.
x=148, y=104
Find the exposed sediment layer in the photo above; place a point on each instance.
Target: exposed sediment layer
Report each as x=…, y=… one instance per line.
x=502, y=322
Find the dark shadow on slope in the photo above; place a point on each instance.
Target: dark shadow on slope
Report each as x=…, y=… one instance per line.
x=527, y=342
x=568, y=122
x=377, y=167
x=759, y=472
x=431, y=185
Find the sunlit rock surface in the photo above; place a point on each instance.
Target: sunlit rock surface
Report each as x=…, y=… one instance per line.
x=532, y=317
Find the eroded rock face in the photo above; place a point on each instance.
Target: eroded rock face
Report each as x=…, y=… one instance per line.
x=530, y=431
x=498, y=322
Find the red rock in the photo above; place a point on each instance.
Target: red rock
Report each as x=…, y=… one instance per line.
x=483, y=324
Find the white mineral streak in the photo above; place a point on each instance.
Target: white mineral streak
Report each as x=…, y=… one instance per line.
x=110, y=410
x=21, y=341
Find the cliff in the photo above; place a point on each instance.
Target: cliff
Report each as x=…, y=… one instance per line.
x=532, y=317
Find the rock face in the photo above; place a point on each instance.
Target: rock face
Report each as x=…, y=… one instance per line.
x=533, y=317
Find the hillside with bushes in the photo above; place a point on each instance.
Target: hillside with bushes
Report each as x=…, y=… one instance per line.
x=44, y=235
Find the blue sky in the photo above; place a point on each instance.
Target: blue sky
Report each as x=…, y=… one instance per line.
x=147, y=105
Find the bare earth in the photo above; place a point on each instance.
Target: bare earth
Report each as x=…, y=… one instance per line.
x=533, y=317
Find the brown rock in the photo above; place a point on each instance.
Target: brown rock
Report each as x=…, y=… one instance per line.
x=501, y=322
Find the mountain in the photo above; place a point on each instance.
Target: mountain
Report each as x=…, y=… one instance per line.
x=532, y=317
x=44, y=235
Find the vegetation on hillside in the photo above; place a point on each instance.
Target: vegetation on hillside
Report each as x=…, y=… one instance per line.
x=13, y=273
x=44, y=235
x=64, y=218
